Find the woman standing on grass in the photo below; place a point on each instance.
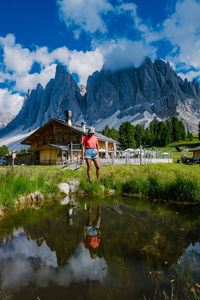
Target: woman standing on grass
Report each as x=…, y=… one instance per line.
x=90, y=151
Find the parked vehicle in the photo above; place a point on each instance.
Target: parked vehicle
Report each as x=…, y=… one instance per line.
x=2, y=161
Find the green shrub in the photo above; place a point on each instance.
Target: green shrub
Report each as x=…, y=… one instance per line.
x=108, y=182
x=156, y=188
x=185, y=189
x=135, y=186
x=91, y=188
x=14, y=185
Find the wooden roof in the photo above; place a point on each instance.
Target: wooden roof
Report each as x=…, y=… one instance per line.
x=74, y=127
x=195, y=149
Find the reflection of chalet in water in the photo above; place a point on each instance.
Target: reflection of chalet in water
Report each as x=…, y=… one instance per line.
x=60, y=140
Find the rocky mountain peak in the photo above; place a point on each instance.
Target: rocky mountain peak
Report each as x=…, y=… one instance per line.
x=39, y=87
x=152, y=90
x=40, y=105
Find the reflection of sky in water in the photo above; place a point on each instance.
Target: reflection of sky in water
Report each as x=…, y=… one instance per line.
x=23, y=262
x=192, y=250
x=190, y=259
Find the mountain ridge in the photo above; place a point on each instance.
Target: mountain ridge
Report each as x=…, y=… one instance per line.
x=152, y=90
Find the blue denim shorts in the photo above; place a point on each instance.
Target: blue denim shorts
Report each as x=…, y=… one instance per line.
x=92, y=230
x=89, y=153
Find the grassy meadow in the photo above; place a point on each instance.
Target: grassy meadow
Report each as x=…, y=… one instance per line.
x=175, y=182
x=183, y=145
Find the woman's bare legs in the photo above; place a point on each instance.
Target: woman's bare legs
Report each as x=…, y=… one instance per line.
x=90, y=221
x=98, y=217
x=89, y=163
x=97, y=165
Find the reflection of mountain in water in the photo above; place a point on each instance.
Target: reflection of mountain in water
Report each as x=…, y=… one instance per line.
x=26, y=263
x=50, y=250
x=190, y=259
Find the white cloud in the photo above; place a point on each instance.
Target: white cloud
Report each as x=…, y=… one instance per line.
x=30, y=81
x=132, y=9
x=182, y=29
x=16, y=58
x=17, y=269
x=85, y=63
x=79, y=62
x=8, y=40
x=189, y=75
x=5, y=76
x=125, y=53
x=84, y=15
x=9, y=101
x=18, y=61
x=42, y=56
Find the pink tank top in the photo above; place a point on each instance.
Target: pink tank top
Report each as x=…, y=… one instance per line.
x=90, y=142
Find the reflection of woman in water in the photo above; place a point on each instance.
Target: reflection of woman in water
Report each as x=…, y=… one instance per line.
x=91, y=231
x=87, y=263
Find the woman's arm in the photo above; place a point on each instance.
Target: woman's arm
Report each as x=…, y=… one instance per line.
x=83, y=152
x=97, y=147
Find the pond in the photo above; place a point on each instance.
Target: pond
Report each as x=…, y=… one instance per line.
x=110, y=248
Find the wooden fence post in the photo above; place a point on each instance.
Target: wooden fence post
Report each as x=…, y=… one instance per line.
x=71, y=151
x=140, y=155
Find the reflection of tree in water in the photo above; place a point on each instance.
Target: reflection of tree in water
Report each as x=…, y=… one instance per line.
x=133, y=242
x=57, y=233
x=132, y=233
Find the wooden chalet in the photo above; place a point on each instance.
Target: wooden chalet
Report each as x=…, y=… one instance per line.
x=60, y=140
x=196, y=153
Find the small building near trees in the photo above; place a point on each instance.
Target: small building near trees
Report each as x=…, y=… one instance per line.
x=60, y=140
x=196, y=153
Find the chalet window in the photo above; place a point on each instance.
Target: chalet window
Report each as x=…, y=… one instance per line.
x=62, y=140
x=59, y=153
x=76, y=139
x=67, y=140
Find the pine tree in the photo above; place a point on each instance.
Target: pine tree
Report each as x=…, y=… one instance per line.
x=199, y=131
x=176, y=130
x=182, y=131
x=154, y=131
x=169, y=125
x=163, y=134
x=114, y=134
x=148, y=138
x=4, y=151
x=126, y=135
x=189, y=136
x=106, y=130
x=23, y=151
x=139, y=135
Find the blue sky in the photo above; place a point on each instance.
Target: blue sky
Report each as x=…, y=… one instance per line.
x=84, y=35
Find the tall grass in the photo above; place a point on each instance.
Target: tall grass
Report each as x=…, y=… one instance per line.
x=183, y=189
x=157, y=181
x=91, y=188
x=13, y=185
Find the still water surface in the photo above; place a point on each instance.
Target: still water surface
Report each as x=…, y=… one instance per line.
x=114, y=248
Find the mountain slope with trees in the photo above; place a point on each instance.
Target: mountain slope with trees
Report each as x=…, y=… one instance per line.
x=159, y=133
